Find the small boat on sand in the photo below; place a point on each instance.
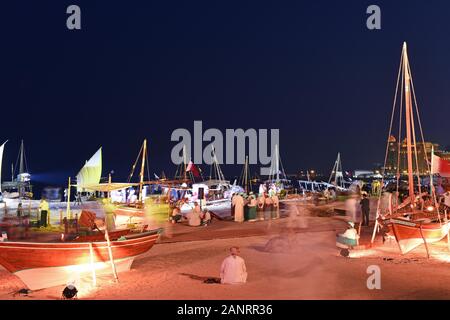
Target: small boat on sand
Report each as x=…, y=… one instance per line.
x=411, y=234
x=43, y=265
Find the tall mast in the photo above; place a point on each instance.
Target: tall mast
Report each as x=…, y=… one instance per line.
x=216, y=166
x=409, y=124
x=338, y=163
x=184, y=161
x=141, y=175
x=246, y=176
x=21, y=169
x=336, y=169
x=277, y=164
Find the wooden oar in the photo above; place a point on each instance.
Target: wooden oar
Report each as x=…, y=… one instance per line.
x=111, y=259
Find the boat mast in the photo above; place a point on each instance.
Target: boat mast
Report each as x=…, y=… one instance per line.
x=141, y=175
x=277, y=164
x=245, y=179
x=184, y=162
x=68, y=213
x=216, y=167
x=337, y=171
x=21, y=170
x=246, y=175
x=409, y=124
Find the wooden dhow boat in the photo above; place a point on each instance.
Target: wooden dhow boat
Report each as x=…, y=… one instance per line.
x=417, y=220
x=411, y=234
x=43, y=265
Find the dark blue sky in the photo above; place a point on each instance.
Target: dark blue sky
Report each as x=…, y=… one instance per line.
x=144, y=68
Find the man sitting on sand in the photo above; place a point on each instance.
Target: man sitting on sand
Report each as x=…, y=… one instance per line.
x=176, y=214
x=233, y=270
x=194, y=217
x=206, y=217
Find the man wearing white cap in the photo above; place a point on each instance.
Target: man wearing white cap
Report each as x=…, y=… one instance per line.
x=233, y=270
x=349, y=237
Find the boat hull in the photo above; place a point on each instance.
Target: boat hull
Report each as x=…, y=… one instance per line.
x=57, y=263
x=222, y=207
x=40, y=278
x=410, y=235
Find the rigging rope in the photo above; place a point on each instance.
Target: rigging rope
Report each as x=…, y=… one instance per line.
x=133, y=168
x=433, y=192
x=387, y=148
x=399, y=141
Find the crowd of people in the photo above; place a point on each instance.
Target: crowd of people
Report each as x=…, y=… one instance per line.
x=248, y=207
x=195, y=218
x=244, y=207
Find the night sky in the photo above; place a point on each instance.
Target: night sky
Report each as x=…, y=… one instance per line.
x=140, y=69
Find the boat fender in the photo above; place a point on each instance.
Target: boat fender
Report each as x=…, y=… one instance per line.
x=122, y=238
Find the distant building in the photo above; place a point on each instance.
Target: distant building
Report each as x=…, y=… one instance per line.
x=398, y=162
x=359, y=173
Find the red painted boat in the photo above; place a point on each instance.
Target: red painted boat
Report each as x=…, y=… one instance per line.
x=411, y=234
x=43, y=265
x=429, y=227
x=130, y=211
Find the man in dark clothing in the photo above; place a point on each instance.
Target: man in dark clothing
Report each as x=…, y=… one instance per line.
x=365, y=208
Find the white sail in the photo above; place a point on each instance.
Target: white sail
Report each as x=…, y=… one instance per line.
x=91, y=173
x=276, y=167
x=2, y=147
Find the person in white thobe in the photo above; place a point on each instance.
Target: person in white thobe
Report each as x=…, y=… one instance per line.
x=194, y=217
x=351, y=232
x=233, y=270
x=351, y=207
x=262, y=188
x=239, y=208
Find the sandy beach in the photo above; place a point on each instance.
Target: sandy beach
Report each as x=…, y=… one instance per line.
x=294, y=257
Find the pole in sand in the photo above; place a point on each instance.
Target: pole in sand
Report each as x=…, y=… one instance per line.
x=91, y=252
x=111, y=259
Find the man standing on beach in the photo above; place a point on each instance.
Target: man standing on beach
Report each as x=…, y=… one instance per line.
x=239, y=208
x=365, y=208
x=252, y=207
x=233, y=270
x=233, y=204
x=43, y=208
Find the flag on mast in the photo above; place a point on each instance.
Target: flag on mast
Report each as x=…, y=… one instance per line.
x=193, y=168
x=440, y=166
